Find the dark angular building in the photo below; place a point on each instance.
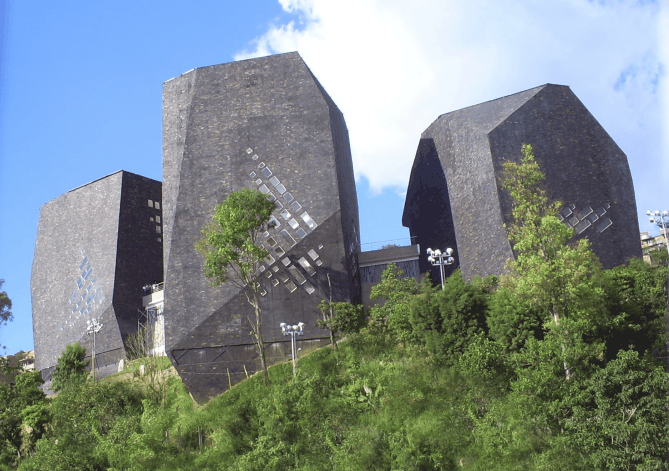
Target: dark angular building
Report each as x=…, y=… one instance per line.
x=265, y=124
x=455, y=198
x=97, y=245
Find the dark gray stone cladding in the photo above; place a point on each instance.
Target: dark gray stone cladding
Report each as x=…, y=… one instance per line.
x=585, y=170
x=96, y=247
x=220, y=124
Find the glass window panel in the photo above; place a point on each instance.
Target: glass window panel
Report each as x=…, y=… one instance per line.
x=268, y=274
x=271, y=197
x=274, y=222
x=291, y=286
x=297, y=275
x=150, y=203
x=320, y=246
x=274, y=181
x=263, y=189
x=288, y=197
x=255, y=157
x=280, y=188
x=301, y=233
x=286, y=261
x=262, y=268
x=151, y=219
x=157, y=205
x=287, y=237
x=307, y=219
x=275, y=269
x=269, y=260
x=249, y=151
x=157, y=229
x=252, y=174
x=263, y=293
x=279, y=251
x=284, y=214
x=158, y=219
x=296, y=206
x=159, y=239
x=293, y=223
x=307, y=266
x=278, y=205
x=83, y=263
x=261, y=165
x=319, y=262
x=267, y=172
x=313, y=254
x=258, y=181
x=275, y=282
x=310, y=289
x=271, y=241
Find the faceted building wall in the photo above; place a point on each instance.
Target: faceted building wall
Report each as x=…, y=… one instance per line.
x=265, y=124
x=97, y=245
x=455, y=198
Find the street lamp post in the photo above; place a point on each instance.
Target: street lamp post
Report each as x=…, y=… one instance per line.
x=661, y=219
x=93, y=327
x=292, y=330
x=435, y=257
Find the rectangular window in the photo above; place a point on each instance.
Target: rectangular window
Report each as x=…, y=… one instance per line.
x=285, y=261
x=158, y=219
x=150, y=203
x=287, y=237
x=313, y=254
x=288, y=197
x=274, y=181
x=157, y=229
x=291, y=286
x=293, y=223
x=284, y=214
x=307, y=219
x=307, y=266
x=310, y=289
x=279, y=251
x=297, y=275
x=269, y=260
x=301, y=233
x=157, y=205
x=252, y=174
x=263, y=189
x=275, y=282
x=296, y=206
x=271, y=241
x=280, y=188
x=267, y=172
x=151, y=219
x=274, y=222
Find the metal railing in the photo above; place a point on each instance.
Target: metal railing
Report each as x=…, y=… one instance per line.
x=385, y=244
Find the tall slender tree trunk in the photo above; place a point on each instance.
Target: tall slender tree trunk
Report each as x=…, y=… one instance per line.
x=556, y=319
x=332, y=337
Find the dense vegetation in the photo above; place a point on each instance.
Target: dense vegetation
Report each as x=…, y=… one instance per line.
x=558, y=365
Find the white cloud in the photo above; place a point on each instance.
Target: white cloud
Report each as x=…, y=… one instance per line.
x=393, y=66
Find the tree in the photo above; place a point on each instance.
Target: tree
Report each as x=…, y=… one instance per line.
x=5, y=306
x=71, y=367
x=232, y=253
x=393, y=314
x=559, y=279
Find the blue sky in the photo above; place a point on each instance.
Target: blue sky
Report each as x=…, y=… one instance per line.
x=81, y=84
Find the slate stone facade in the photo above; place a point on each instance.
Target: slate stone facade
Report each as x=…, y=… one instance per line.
x=97, y=245
x=265, y=124
x=455, y=198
